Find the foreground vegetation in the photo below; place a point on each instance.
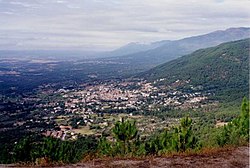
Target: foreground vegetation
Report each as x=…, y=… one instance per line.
x=189, y=135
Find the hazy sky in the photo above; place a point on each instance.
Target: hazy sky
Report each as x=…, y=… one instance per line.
x=108, y=24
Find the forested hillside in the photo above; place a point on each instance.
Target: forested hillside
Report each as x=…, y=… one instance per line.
x=223, y=68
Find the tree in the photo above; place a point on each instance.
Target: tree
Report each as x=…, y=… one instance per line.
x=183, y=137
x=236, y=132
x=22, y=150
x=244, y=120
x=104, y=146
x=125, y=132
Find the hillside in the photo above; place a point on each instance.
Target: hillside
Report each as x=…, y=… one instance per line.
x=223, y=68
x=170, y=50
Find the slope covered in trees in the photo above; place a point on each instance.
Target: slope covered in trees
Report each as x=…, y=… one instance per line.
x=223, y=68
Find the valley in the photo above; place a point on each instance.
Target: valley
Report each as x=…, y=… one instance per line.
x=44, y=95
x=72, y=102
x=109, y=83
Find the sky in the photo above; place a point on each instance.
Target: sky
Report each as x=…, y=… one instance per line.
x=96, y=25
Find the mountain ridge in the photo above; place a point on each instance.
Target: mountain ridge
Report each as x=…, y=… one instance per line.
x=223, y=68
x=170, y=50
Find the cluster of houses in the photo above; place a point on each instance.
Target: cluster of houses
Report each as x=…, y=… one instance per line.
x=101, y=97
x=64, y=133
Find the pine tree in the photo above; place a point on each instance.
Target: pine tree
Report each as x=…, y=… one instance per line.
x=244, y=119
x=125, y=131
x=236, y=131
x=183, y=137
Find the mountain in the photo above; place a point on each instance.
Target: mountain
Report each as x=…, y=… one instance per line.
x=223, y=68
x=169, y=50
x=132, y=48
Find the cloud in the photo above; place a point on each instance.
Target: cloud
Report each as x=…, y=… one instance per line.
x=107, y=24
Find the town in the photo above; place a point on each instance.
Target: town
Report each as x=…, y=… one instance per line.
x=92, y=109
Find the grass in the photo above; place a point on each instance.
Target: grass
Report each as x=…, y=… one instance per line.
x=84, y=130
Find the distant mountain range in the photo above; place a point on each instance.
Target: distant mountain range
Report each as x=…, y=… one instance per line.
x=224, y=68
x=132, y=48
x=146, y=56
